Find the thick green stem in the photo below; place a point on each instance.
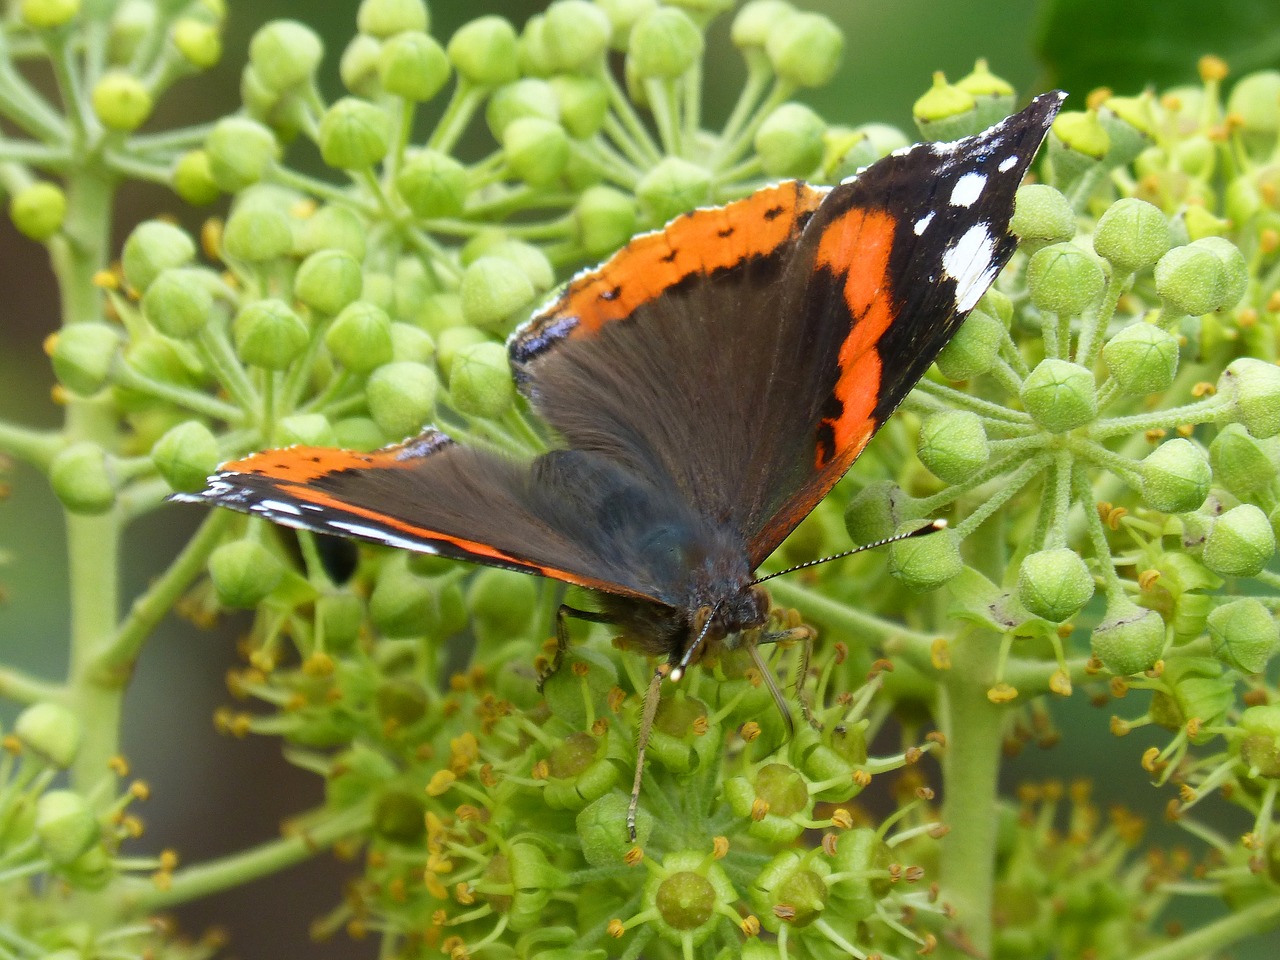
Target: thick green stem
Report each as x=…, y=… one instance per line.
x=1211, y=939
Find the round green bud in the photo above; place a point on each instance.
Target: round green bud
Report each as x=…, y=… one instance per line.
x=875, y=512
x=328, y=280
x=494, y=290
x=259, y=100
x=927, y=562
x=1243, y=635
x=402, y=604
x=285, y=54
x=413, y=65
x=360, y=337
x=1132, y=234
x=452, y=340
x=82, y=355
x=604, y=219
x=38, y=210
x=339, y=617
x=1240, y=542
x=805, y=49
x=1142, y=358
x=536, y=151
x=358, y=67
x=399, y=817
x=583, y=103
x=1042, y=216
x=1054, y=584
x=243, y=572
x=200, y=43
x=575, y=34
x=484, y=51
x=121, y=101
x=186, y=456
x=1239, y=462
x=993, y=95
x=685, y=900
x=332, y=228
x=307, y=429
x=755, y=22
x=1260, y=751
x=1192, y=280
x=46, y=14
x=534, y=59
x=953, y=445
x=603, y=844
x=358, y=433
x=269, y=334
x=83, y=479
x=672, y=187
x=132, y=21
x=256, y=234
x=1254, y=104
x=433, y=184
x=945, y=110
x=503, y=600
x=1060, y=395
x=1063, y=279
x=179, y=302
x=50, y=731
x=623, y=16
x=65, y=825
x=664, y=44
x=1130, y=127
x=154, y=246
x=192, y=179
x=527, y=97
x=411, y=343
x=480, y=383
x=354, y=134
x=1255, y=385
x=1176, y=477
x=974, y=348
x=532, y=261
x=401, y=397
x=1080, y=132
x=386, y=18
x=1233, y=262
x=1130, y=638
x=240, y=152
x=789, y=142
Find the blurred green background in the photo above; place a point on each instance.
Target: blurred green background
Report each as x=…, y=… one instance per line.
x=208, y=795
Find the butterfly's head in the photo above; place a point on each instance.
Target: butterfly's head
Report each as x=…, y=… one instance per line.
x=721, y=624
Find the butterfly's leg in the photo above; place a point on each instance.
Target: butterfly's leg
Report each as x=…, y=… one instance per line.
x=652, y=697
x=562, y=638
x=805, y=636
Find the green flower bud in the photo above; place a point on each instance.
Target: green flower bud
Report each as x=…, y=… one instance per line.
x=604, y=219
x=1199, y=691
x=240, y=152
x=536, y=151
x=179, y=302
x=65, y=825
x=1060, y=395
x=805, y=49
x=285, y=54
x=332, y=228
x=402, y=604
x=192, y=179
x=82, y=355
x=1130, y=638
x=527, y=97
x=1077, y=142
x=953, y=445
x=413, y=65
x=575, y=35
x=357, y=433
x=792, y=880
x=1260, y=748
x=200, y=43
x=46, y=14
x=1239, y=462
x=1042, y=216
x=328, y=280
x=269, y=334
x=672, y=187
x=531, y=261
x=1243, y=635
x=623, y=16
x=756, y=20
x=121, y=101
x=1233, y=262
x=243, y=572
x=432, y=184
x=1063, y=279
x=484, y=52
x=91, y=871
x=1176, y=477
x=1254, y=104
x=358, y=67
x=354, y=134
x=132, y=21
x=1054, y=584
x=1192, y=279
x=1142, y=358
x=83, y=479
x=360, y=337
x=664, y=44
x=1132, y=234
x=411, y=343
x=1240, y=542
x=1201, y=224
x=154, y=246
x=50, y=731
x=603, y=844
x=1130, y=127
x=686, y=903
x=453, y=340
x=38, y=210
x=925, y=563
x=398, y=817
x=186, y=456
x=789, y=141
x=307, y=429
x=876, y=512
x=582, y=103
x=945, y=112
x=534, y=59
x=386, y=18
x=974, y=348
x=504, y=601
x=480, y=383
x=494, y=291
x=355, y=774
x=339, y=617
x=993, y=96
x=1255, y=385
x=401, y=397
x=256, y=234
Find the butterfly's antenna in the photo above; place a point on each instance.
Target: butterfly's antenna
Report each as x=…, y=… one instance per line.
x=933, y=526
x=686, y=658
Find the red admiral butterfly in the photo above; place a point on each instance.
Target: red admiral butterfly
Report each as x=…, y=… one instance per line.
x=711, y=382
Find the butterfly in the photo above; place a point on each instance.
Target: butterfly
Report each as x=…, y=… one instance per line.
x=708, y=384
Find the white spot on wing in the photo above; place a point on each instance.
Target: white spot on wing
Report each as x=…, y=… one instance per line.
x=1007, y=164
x=922, y=224
x=279, y=506
x=968, y=189
x=969, y=263
x=380, y=536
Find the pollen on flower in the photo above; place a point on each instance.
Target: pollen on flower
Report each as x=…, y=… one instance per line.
x=440, y=782
x=118, y=765
x=750, y=731
x=940, y=653
x=720, y=847
x=759, y=809
x=842, y=819
x=616, y=928
x=750, y=925
x=1002, y=693
x=633, y=856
